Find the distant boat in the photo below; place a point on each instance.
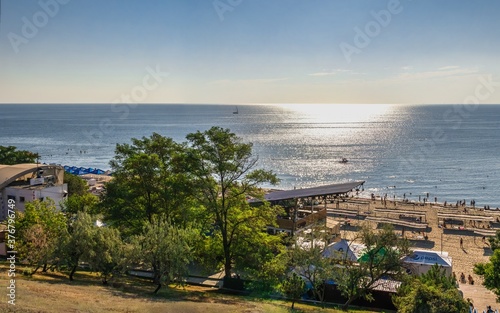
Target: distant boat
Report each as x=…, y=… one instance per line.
x=343, y=160
x=235, y=111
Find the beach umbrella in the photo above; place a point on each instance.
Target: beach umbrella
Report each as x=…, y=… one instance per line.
x=98, y=171
x=83, y=170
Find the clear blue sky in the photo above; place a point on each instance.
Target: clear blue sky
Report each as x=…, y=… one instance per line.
x=249, y=51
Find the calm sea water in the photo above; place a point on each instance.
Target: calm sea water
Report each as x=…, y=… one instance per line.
x=450, y=152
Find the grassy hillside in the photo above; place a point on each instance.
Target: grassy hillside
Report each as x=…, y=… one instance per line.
x=53, y=292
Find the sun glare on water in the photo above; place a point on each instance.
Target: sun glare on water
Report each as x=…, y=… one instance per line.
x=339, y=113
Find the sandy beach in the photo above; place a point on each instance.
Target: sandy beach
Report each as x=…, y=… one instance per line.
x=438, y=238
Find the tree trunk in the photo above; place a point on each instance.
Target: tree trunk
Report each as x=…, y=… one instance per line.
x=345, y=307
x=44, y=268
x=157, y=288
x=227, y=266
x=36, y=269
x=293, y=304
x=227, y=256
x=73, y=270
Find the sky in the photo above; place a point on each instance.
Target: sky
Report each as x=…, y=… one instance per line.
x=250, y=51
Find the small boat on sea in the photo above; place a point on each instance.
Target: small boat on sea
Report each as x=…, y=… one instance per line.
x=343, y=160
x=235, y=111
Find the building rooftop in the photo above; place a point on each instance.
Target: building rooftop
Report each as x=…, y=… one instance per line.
x=326, y=190
x=11, y=173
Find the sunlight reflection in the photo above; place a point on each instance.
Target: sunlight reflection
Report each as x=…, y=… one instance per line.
x=340, y=113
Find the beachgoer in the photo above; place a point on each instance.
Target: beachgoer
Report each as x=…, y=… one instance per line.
x=462, y=278
x=461, y=243
x=471, y=280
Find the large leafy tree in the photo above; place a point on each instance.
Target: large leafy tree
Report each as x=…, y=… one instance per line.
x=433, y=292
x=40, y=227
x=76, y=185
x=382, y=260
x=149, y=179
x=78, y=241
x=86, y=202
x=490, y=272
x=108, y=255
x=166, y=248
x=225, y=172
x=10, y=155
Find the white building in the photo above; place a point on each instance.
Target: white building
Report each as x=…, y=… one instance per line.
x=24, y=183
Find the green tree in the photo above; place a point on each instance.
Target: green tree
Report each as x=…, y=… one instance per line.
x=293, y=287
x=76, y=185
x=78, y=241
x=86, y=202
x=149, y=178
x=490, y=272
x=382, y=260
x=166, y=248
x=10, y=156
x=224, y=171
x=107, y=256
x=40, y=228
x=433, y=292
x=308, y=261
x=495, y=241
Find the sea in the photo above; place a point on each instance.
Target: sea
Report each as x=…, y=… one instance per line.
x=446, y=152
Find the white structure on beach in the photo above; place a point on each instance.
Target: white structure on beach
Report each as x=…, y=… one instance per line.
x=421, y=261
x=24, y=183
x=344, y=250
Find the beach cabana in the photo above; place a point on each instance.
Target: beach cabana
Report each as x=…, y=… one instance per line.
x=421, y=261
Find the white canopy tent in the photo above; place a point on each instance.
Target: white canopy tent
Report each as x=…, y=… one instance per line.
x=344, y=249
x=421, y=261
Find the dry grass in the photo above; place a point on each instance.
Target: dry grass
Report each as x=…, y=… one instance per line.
x=53, y=293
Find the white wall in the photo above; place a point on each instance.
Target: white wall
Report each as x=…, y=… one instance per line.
x=56, y=193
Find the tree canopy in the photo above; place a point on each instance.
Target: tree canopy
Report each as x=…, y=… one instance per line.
x=149, y=179
x=382, y=260
x=224, y=171
x=166, y=248
x=433, y=292
x=76, y=185
x=40, y=227
x=10, y=156
x=490, y=272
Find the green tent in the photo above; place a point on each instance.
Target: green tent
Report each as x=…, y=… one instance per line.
x=372, y=254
